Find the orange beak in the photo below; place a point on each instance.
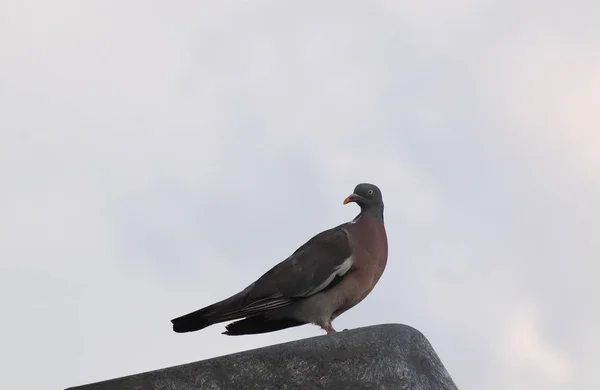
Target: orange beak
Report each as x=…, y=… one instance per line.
x=351, y=198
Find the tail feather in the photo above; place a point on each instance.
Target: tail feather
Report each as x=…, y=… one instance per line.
x=260, y=324
x=233, y=308
x=193, y=321
x=227, y=309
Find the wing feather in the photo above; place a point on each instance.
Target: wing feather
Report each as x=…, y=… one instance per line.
x=318, y=264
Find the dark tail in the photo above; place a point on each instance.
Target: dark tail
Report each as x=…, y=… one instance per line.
x=197, y=320
x=260, y=324
x=226, y=310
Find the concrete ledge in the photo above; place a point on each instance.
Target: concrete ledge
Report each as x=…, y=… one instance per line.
x=389, y=356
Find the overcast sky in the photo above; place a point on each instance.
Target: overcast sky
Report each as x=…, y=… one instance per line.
x=158, y=156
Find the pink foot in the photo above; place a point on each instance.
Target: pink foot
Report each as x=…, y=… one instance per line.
x=329, y=329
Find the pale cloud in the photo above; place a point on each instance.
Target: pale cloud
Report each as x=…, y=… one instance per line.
x=550, y=82
x=524, y=348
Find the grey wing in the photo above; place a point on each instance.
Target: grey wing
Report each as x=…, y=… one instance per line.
x=317, y=265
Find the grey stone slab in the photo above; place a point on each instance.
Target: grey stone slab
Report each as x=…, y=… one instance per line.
x=389, y=356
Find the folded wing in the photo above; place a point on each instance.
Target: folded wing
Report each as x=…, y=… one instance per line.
x=317, y=265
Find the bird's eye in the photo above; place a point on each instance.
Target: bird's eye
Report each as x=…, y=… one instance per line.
x=370, y=192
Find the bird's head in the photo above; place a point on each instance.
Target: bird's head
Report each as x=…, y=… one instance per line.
x=367, y=196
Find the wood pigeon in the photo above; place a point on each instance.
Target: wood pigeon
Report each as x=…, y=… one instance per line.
x=329, y=274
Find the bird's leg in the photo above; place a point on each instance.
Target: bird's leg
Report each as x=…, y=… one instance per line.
x=329, y=329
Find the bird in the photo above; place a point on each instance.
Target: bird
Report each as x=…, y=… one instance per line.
x=326, y=276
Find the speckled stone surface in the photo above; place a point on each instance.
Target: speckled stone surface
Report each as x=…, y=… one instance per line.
x=389, y=356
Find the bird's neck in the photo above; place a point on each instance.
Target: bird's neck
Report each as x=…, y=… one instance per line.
x=373, y=212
